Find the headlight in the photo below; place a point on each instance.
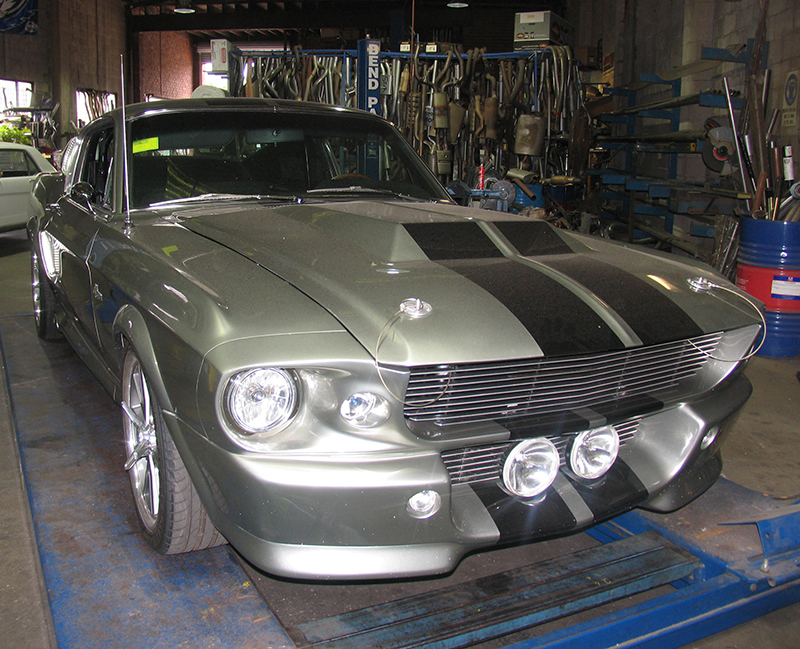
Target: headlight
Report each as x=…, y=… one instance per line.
x=531, y=467
x=593, y=452
x=261, y=401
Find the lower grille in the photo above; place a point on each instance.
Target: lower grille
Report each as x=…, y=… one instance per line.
x=477, y=464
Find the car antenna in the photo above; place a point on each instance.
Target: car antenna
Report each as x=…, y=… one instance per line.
x=128, y=221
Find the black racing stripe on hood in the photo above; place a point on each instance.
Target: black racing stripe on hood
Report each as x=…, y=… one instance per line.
x=653, y=316
x=453, y=240
x=559, y=321
x=533, y=238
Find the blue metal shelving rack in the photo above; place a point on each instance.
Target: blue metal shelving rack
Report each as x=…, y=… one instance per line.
x=625, y=184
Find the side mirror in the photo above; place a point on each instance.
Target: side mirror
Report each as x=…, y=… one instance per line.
x=83, y=193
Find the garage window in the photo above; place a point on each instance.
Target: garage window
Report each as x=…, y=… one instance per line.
x=91, y=104
x=15, y=94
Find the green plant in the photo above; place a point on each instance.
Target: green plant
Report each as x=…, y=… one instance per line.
x=10, y=133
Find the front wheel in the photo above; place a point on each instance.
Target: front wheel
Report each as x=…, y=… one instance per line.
x=44, y=301
x=167, y=504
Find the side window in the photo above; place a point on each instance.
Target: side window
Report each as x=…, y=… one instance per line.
x=97, y=166
x=16, y=164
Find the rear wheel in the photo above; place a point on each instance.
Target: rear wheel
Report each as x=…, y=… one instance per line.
x=173, y=518
x=44, y=301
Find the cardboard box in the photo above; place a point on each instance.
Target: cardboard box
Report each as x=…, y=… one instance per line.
x=220, y=49
x=587, y=57
x=537, y=29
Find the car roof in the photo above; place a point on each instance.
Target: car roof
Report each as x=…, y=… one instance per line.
x=234, y=103
x=18, y=146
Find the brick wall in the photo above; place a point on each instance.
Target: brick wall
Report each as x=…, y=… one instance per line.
x=166, y=63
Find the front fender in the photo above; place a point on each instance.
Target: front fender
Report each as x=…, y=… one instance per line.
x=131, y=329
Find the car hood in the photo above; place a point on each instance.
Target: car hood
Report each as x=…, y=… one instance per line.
x=491, y=285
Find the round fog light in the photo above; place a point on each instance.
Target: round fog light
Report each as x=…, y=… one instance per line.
x=424, y=504
x=364, y=409
x=594, y=452
x=531, y=467
x=709, y=437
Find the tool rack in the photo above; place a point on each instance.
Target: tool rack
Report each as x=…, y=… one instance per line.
x=460, y=111
x=650, y=205
x=469, y=116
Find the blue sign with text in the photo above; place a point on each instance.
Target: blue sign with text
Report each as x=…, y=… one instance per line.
x=369, y=75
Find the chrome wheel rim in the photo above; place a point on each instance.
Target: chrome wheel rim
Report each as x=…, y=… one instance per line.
x=141, y=442
x=36, y=288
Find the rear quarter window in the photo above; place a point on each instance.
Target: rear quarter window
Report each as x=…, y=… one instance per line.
x=17, y=164
x=70, y=157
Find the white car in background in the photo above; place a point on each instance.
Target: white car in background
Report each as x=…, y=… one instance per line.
x=19, y=166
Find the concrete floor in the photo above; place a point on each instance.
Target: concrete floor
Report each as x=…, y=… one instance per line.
x=761, y=454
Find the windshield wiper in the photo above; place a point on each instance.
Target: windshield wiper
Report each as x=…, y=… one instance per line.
x=226, y=197
x=358, y=189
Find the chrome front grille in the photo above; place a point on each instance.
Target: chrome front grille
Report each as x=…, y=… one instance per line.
x=476, y=464
x=452, y=395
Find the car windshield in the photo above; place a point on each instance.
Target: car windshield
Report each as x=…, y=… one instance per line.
x=183, y=155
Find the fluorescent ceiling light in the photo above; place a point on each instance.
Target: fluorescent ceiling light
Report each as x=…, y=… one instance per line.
x=458, y=5
x=184, y=8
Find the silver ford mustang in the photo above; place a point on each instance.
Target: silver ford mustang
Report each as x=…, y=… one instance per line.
x=324, y=361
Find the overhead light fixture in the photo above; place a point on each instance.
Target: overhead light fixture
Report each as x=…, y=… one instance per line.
x=458, y=5
x=184, y=7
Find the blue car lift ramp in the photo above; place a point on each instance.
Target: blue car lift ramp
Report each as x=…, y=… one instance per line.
x=709, y=576
x=639, y=580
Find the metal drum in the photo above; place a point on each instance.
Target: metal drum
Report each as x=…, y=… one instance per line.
x=769, y=270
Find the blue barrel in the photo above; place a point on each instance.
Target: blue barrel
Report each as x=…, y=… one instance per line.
x=769, y=269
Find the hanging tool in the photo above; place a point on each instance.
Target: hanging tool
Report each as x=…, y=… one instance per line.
x=529, y=135
x=441, y=122
x=738, y=146
x=718, y=146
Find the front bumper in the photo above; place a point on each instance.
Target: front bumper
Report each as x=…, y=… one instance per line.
x=346, y=517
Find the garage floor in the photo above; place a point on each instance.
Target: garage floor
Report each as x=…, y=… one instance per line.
x=761, y=454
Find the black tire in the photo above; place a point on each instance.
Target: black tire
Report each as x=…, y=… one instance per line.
x=44, y=301
x=167, y=504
